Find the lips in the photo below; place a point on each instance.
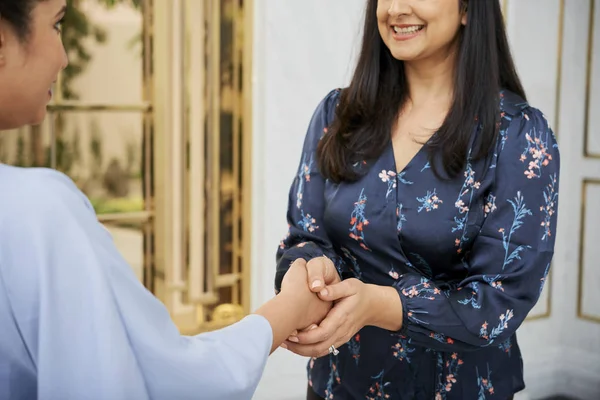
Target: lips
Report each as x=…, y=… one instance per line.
x=407, y=30
x=51, y=90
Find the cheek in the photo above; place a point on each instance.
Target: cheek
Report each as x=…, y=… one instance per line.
x=382, y=13
x=442, y=31
x=382, y=24
x=382, y=27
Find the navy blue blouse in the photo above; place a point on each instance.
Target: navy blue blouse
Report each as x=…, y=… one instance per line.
x=468, y=257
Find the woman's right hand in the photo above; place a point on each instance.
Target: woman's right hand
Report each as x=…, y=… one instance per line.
x=294, y=284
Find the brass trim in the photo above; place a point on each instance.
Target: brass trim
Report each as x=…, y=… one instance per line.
x=505, y=11
x=78, y=106
x=196, y=136
x=580, y=270
x=588, y=82
x=248, y=134
x=137, y=216
x=161, y=118
x=148, y=132
x=236, y=111
x=227, y=280
x=182, y=312
x=213, y=142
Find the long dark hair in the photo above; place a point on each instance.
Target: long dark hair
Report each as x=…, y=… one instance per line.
x=369, y=106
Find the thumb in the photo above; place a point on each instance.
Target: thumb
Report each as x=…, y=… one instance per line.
x=331, y=274
x=338, y=291
x=316, y=269
x=321, y=272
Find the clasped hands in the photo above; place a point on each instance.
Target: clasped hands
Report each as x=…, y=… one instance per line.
x=341, y=310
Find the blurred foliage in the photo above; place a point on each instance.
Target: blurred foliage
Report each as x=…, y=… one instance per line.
x=77, y=30
x=112, y=3
x=117, y=205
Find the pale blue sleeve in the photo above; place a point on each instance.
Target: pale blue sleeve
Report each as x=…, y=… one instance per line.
x=91, y=329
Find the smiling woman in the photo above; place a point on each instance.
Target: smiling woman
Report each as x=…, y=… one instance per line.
x=431, y=185
x=32, y=55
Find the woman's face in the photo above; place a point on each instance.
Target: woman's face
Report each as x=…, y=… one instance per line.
x=30, y=66
x=414, y=30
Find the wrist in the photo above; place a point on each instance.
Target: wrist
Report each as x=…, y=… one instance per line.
x=385, y=307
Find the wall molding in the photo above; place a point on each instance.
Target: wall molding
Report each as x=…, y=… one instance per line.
x=581, y=313
x=588, y=82
x=562, y=371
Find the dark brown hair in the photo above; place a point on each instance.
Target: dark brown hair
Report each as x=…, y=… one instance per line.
x=369, y=106
x=18, y=14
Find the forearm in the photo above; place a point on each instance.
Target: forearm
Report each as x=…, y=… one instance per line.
x=386, y=307
x=284, y=314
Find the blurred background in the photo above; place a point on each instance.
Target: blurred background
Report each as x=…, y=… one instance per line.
x=183, y=121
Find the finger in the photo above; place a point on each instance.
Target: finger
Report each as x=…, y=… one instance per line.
x=331, y=274
x=308, y=328
x=330, y=327
x=321, y=272
x=314, y=350
x=339, y=290
x=298, y=262
x=316, y=274
x=309, y=350
x=303, y=350
x=294, y=335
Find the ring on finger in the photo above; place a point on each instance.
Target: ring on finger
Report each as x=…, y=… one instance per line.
x=333, y=350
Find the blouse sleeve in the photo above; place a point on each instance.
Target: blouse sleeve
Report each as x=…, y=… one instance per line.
x=306, y=237
x=92, y=330
x=510, y=258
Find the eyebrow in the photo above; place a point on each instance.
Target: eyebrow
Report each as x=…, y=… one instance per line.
x=62, y=11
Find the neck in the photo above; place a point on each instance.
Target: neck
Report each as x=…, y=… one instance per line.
x=431, y=80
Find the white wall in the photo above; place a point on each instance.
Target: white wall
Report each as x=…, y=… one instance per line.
x=305, y=48
x=302, y=50
x=562, y=350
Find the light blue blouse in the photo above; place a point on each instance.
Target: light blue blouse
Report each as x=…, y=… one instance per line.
x=77, y=324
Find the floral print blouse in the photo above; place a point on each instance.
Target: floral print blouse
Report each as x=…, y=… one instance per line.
x=468, y=256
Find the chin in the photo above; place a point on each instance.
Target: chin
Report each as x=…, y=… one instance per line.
x=403, y=55
x=38, y=118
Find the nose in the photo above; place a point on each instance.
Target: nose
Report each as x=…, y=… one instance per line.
x=65, y=60
x=399, y=7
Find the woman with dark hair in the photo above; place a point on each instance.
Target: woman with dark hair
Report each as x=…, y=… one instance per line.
x=425, y=206
x=75, y=322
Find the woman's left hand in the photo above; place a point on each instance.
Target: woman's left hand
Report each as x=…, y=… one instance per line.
x=350, y=313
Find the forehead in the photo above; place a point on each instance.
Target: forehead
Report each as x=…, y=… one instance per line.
x=49, y=8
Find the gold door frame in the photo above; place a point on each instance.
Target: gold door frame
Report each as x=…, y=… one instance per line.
x=184, y=102
x=189, y=185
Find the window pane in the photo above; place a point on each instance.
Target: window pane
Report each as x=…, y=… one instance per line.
x=104, y=153
x=104, y=45
x=26, y=147
x=129, y=239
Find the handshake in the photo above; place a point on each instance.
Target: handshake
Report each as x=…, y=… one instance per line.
x=330, y=311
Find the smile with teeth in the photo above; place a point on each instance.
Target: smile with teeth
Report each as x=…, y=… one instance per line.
x=407, y=30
